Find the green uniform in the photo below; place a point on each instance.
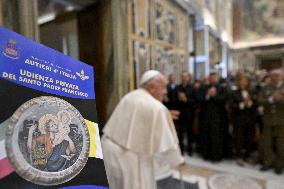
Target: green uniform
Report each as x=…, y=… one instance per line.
x=273, y=129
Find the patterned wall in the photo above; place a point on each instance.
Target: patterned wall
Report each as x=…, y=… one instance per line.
x=158, y=37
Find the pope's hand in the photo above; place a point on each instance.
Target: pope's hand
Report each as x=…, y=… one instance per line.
x=175, y=114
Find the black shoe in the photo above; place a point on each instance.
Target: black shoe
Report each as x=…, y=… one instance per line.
x=241, y=162
x=265, y=167
x=189, y=152
x=278, y=171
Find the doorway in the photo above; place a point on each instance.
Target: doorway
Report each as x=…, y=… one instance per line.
x=78, y=29
x=271, y=63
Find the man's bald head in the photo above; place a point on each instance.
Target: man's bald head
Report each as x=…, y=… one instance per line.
x=156, y=86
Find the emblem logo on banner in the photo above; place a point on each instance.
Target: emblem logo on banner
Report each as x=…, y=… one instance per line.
x=82, y=75
x=11, y=50
x=51, y=140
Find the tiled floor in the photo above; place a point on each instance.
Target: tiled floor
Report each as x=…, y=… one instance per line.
x=201, y=171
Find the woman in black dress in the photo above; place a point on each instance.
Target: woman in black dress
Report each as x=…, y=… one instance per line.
x=243, y=116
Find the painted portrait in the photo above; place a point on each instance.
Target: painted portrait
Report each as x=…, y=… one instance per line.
x=140, y=13
x=165, y=24
x=51, y=141
x=141, y=55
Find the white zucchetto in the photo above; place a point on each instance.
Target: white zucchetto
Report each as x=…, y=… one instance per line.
x=148, y=75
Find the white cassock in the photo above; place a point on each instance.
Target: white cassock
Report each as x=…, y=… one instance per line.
x=139, y=130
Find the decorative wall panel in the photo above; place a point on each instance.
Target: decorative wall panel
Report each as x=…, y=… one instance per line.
x=141, y=54
x=141, y=17
x=165, y=23
x=165, y=61
x=158, y=37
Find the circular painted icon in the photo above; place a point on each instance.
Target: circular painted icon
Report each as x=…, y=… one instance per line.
x=47, y=141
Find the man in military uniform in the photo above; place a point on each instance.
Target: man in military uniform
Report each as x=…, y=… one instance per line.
x=271, y=102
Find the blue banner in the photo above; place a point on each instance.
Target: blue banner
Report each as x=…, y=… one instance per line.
x=36, y=66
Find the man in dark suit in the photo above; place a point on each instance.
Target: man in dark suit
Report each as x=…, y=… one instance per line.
x=171, y=98
x=213, y=119
x=186, y=105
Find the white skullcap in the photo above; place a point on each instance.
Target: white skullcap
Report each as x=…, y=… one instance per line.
x=148, y=75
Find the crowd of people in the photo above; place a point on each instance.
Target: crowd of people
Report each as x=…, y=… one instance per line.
x=237, y=117
x=240, y=117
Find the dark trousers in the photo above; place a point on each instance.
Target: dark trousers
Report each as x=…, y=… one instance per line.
x=184, y=126
x=212, y=140
x=244, y=133
x=273, y=135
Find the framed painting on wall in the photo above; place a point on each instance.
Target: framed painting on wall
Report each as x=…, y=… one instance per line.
x=140, y=13
x=141, y=58
x=165, y=61
x=215, y=50
x=261, y=19
x=169, y=66
x=182, y=31
x=165, y=23
x=200, y=71
x=158, y=57
x=182, y=64
x=200, y=43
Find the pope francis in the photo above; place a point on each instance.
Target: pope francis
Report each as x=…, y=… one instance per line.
x=139, y=141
